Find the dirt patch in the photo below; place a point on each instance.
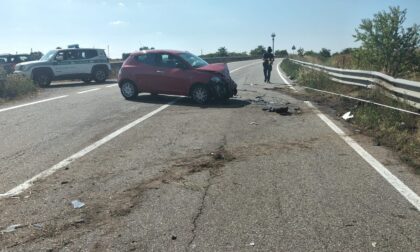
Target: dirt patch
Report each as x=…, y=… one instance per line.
x=103, y=212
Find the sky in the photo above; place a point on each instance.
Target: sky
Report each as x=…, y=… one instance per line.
x=189, y=25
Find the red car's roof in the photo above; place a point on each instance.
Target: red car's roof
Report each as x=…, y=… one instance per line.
x=158, y=51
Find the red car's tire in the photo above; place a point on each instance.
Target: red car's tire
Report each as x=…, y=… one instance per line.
x=200, y=94
x=129, y=90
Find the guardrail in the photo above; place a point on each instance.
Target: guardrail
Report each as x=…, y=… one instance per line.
x=398, y=88
x=117, y=65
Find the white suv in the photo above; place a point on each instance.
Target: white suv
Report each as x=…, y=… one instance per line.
x=67, y=64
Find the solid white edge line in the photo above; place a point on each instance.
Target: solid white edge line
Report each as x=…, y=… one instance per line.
x=28, y=183
x=284, y=79
x=112, y=85
x=33, y=103
x=89, y=90
x=404, y=190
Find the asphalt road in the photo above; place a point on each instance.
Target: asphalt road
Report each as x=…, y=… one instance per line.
x=224, y=177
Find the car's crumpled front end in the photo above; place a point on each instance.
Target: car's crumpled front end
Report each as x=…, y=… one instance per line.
x=221, y=84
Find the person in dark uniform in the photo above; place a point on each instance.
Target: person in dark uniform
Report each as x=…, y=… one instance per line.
x=268, y=59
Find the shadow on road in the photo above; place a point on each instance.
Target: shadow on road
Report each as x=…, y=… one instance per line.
x=186, y=101
x=79, y=84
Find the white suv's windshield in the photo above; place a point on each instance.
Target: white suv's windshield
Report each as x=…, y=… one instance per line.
x=193, y=60
x=48, y=56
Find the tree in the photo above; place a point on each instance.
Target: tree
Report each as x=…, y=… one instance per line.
x=301, y=52
x=387, y=45
x=311, y=53
x=293, y=49
x=146, y=48
x=326, y=53
x=259, y=51
x=222, y=52
x=281, y=54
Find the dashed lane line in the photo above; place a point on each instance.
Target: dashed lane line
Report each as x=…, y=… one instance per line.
x=33, y=103
x=89, y=90
x=28, y=183
x=46, y=173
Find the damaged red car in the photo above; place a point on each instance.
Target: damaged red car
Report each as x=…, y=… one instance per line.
x=175, y=73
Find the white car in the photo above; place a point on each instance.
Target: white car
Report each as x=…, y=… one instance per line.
x=67, y=64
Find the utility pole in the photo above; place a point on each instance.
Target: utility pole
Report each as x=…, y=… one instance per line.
x=273, y=35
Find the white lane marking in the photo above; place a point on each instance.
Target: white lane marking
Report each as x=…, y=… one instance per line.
x=28, y=183
x=239, y=68
x=404, y=190
x=284, y=79
x=112, y=85
x=32, y=103
x=89, y=90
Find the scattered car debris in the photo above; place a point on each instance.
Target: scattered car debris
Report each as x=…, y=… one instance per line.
x=276, y=107
x=11, y=228
x=77, y=204
x=173, y=237
x=253, y=123
x=374, y=244
x=252, y=244
x=38, y=226
x=347, y=116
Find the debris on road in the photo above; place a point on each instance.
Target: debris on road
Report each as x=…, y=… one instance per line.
x=77, y=204
x=11, y=228
x=253, y=123
x=38, y=225
x=277, y=107
x=347, y=116
x=252, y=244
x=374, y=244
x=173, y=237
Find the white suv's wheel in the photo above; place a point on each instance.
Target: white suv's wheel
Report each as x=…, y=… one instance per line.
x=99, y=75
x=129, y=90
x=200, y=94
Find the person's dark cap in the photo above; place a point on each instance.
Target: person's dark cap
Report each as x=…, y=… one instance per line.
x=269, y=49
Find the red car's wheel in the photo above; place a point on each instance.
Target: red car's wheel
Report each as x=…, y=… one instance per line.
x=200, y=94
x=129, y=90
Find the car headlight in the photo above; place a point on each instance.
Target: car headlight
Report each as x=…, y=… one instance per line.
x=216, y=79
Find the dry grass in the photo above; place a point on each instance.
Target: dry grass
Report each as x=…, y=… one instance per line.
x=13, y=86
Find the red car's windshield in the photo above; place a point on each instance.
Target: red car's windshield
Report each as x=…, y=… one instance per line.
x=193, y=60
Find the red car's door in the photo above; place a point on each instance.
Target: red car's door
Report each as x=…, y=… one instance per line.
x=145, y=72
x=172, y=77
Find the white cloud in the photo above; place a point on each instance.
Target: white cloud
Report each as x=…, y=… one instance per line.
x=118, y=22
x=121, y=4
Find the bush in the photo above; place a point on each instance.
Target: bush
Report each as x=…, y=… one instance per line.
x=290, y=68
x=12, y=86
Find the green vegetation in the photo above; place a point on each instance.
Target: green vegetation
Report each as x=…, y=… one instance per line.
x=12, y=86
x=223, y=52
x=258, y=52
x=291, y=69
x=281, y=53
x=386, y=46
x=394, y=129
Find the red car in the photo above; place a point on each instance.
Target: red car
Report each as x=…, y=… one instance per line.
x=176, y=73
